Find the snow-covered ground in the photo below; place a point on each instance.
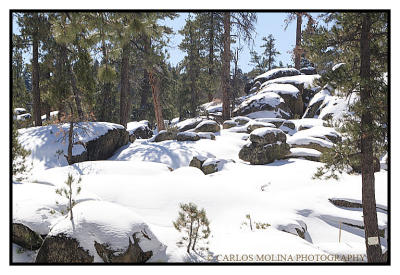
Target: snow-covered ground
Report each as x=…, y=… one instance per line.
x=138, y=180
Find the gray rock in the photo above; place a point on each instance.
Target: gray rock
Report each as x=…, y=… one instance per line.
x=255, y=125
x=241, y=120
x=207, y=126
x=229, y=124
x=26, y=237
x=197, y=162
x=187, y=136
x=103, y=147
x=165, y=135
x=263, y=154
x=308, y=70
x=143, y=132
x=133, y=254
x=268, y=136
x=62, y=249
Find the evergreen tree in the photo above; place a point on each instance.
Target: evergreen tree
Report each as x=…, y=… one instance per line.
x=270, y=51
x=361, y=42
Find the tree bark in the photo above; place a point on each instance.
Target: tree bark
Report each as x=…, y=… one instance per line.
x=226, y=66
x=372, y=241
x=124, y=100
x=192, y=75
x=75, y=91
x=211, y=54
x=145, y=89
x=297, y=50
x=155, y=89
x=35, y=75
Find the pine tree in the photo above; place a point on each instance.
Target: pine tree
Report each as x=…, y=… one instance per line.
x=194, y=222
x=244, y=25
x=361, y=42
x=270, y=51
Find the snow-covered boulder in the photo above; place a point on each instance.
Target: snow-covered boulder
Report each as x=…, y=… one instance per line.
x=241, y=120
x=305, y=84
x=197, y=161
x=93, y=141
x=165, y=135
x=24, y=117
x=288, y=127
x=325, y=133
x=212, y=165
x=315, y=103
x=289, y=93
x=114, y=234
x=139, y=130
x=187, y=136
x=188, y=124
x=276, y=73
x=229, y=124
x=19, y=111
x=306, y=153
x=252, y=125
x=266, y=145
x=318, y=144
x=268, y=101
x=276, y=121
x=307, y=123
x=308, y=70
x=207, y=126
x=267, y=135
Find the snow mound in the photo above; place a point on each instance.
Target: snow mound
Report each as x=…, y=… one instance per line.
x=131, y=127
x=265, y=130
x=47, y=148
x=275, y=73
x=306, y=80
x=113, y=225
x=280, y=89
x=304, y=152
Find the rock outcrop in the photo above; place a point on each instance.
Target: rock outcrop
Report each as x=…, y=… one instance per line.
x=26, y=237
x=62, y=249
x=266, y=145
x=165, y=135
x=102, y=147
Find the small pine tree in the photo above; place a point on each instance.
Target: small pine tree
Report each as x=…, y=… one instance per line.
x=69, y=193
x=18, y=154
x=194, y=222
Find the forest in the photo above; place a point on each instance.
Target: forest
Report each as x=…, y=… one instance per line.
x=96, y=98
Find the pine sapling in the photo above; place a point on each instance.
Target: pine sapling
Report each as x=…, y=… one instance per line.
x=194, y=222
x=69, y=193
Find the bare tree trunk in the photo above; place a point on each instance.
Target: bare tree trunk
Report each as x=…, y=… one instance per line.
x=145, y=89
x=192, y=75
x=124, y=100
x=374, y=251
x=155, y=89
x=226, y=58
x=297, y=50
x=190, y=237
x=35, y=76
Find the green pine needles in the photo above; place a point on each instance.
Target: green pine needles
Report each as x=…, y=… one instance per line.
x=194, y=222
x=70, y=193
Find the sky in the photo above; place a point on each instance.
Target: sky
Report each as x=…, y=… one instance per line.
x=267, y=23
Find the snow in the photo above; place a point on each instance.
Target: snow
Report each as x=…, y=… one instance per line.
x=136, y=190
x=113, y=225
x=337, y=66
x=318, y=132
x=187, y=122
x=269, y=98
x=321, y=95
x=304, y=152
x=305, y=140
x=265, y=130
x=307, y=80
x=52, y=115
x=280, y=89
x=24, y=116
x=45, y=141
x=272, y=73
x=19, y=111
x=131, y=127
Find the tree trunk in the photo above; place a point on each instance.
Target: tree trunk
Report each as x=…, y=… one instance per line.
x=190, y=237
x=145, y=89
x=35, y=76
x=226, y=66
x=192, y=75
x=105, y=108
x=211, y=55
x=75, y=91
x=297, y=50
x=124, y=100
x=155, y=89
x=372, y=241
